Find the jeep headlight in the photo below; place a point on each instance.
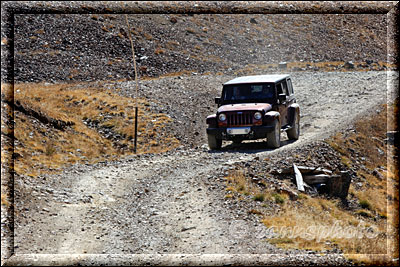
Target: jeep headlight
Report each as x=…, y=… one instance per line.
x=222, y=117
x=257, y=115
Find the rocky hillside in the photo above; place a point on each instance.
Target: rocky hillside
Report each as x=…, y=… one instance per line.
x=67, y=131
x=87, y=47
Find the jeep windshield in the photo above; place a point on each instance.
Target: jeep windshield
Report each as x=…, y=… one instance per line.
x=248, y=93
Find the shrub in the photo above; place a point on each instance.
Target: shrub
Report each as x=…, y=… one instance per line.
x=278, y=198
x=364, y=213
x=365, y=204
x=50, y=149
x=259, y=197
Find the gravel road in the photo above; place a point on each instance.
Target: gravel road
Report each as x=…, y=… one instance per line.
x=173, y=203
x=328, y=100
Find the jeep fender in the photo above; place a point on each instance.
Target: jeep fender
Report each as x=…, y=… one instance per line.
x=212, y=120
x=293, y=109
x=272, y=116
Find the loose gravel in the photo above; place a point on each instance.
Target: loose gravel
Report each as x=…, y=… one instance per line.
x=170, y=208
x=174, y=203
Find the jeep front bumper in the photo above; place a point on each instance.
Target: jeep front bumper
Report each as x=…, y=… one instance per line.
x=256, y=132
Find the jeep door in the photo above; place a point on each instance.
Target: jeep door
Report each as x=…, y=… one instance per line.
x=282, y=88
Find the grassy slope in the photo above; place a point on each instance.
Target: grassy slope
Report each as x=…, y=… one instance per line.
x=98, y=116
x=374, y=203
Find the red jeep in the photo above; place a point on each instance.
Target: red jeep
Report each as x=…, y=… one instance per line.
x=255, y=107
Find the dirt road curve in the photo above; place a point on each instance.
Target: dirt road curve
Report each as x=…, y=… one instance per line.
x=174, y=203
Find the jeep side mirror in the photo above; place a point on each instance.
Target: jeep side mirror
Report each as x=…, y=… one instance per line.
x=282, y=97
x=217, y=100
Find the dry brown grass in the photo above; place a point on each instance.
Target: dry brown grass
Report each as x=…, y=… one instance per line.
x=40, y=31
x=159, y=51
x=148, y=36
x=366, y=235
x=42, y=148
x=377, y=200
x=320, y=224
x=179, y=73
x=367, y=141
x=172, y=45
x=237, y=181
x=4, y=200
x=252, y=69
x=392, y=110
x=295, y=219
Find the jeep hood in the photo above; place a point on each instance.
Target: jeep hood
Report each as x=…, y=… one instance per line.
x=245, y=106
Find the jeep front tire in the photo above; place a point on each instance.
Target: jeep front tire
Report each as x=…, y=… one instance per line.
x=294, y=132
x=214, y=142
x=274, y=137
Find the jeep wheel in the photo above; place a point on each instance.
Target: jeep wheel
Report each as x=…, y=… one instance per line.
x=213, y=142
x=294, y=132
x=274, y=137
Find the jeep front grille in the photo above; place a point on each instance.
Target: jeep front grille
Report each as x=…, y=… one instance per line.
x=239, y=118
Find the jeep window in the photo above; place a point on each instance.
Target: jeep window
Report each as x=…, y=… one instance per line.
x=289, y=83
x=239, y=93
x=285, y=88
x=279, y=88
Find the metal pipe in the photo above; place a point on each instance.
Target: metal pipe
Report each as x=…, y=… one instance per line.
x=136, y=79
x=136, y=123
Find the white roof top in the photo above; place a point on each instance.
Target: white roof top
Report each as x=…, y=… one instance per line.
x=258, y=79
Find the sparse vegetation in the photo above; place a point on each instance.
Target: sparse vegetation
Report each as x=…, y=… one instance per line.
x=172, y=45
x=237, y=182
x=280, y=241
x=294, y=65
x=278, y=198
x=147, y=36
x=102, y=127
x=259, y=197
x=159, y=51
x=99, y=122
x=369, y=217
x=40, y=31
x=4, y=200
x=365, y=204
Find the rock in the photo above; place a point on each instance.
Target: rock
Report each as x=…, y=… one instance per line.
x=349, y=65
x=253, y=21
x=378, y=175
x=285, y=189
x=282, y=65
x=173, y=20
x=187, y=228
